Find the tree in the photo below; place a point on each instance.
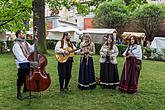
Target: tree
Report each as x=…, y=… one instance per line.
x=56, y=5
x=149, y=17
x=134, y=4
x=39, y=21
x=111, y=14
x=96, y=3
x=128, y=2
x=13, y=13
x=83, y=9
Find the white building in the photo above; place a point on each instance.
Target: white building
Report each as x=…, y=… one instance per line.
x=70, y=17
x=156, y=1
x=57, y=33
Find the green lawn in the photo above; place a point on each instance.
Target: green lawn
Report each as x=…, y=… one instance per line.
x=151, y=94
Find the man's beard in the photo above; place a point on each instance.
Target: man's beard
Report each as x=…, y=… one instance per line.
x=22, y=37
x=67, y=39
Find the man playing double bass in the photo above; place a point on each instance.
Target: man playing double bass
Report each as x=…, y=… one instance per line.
x=21, y=50
x=64, y=68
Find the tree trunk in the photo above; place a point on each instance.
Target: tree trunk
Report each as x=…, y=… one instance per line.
x=26, y=23
x=39, y=21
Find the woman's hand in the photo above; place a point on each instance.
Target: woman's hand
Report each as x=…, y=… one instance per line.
x=130, y=55
x=86, y=52
x=66, y=52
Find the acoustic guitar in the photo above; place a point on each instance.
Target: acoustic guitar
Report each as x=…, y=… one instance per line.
x=61, y=57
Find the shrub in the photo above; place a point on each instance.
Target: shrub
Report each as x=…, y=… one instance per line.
x=154, y=54
x=30, y=41
x=97, y=48
x=121, y=48
x=51, y=44
x=147, y=52
x=9, y=44
x=5, y=46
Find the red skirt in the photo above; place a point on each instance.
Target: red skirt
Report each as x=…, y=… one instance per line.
x=130, y=75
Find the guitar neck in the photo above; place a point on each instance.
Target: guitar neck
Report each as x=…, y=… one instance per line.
x=78, y=48
x=73, y=50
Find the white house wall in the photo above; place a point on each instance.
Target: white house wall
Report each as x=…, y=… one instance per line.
x=58, y=36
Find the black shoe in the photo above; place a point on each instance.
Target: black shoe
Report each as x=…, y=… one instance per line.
x=112, y=87
x=62, y=90
x=68, y=89
x=19, y=96
x=25, y=90
x=103, y=87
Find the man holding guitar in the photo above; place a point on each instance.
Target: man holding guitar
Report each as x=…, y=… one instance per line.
x=63, y=49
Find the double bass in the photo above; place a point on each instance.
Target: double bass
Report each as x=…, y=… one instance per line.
x=38, y=79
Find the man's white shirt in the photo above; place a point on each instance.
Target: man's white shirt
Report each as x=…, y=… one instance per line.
x=17, y=51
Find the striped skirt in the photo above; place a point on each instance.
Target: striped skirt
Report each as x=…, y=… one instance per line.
x=86, y=78
x=109, y=77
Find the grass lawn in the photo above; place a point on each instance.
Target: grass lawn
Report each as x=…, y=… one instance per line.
x=151, y=94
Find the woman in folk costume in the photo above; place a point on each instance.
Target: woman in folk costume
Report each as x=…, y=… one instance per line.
x=132, y=67
x=86, y=78
x=109, y=77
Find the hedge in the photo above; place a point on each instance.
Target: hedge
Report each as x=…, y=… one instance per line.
x=151, y=54
x=51, y=44
x=154, y=54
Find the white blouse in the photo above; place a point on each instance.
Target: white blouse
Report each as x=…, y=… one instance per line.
x=112, y=53
x=135, y=50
